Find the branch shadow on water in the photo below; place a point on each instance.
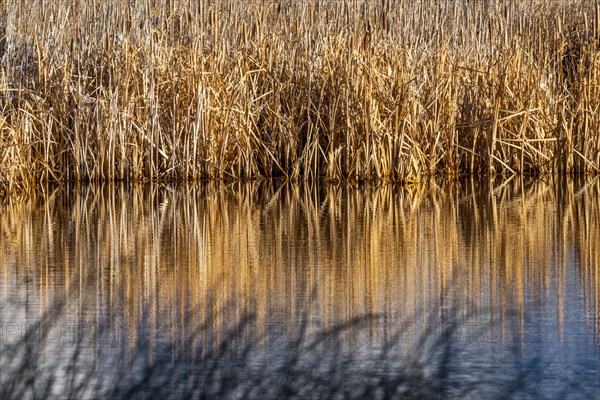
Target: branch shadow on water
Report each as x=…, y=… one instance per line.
x=243, y=360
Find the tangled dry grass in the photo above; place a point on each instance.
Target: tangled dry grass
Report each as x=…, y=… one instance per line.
x=302, y=89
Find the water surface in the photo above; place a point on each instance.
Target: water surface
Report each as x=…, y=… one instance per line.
x=466, y=287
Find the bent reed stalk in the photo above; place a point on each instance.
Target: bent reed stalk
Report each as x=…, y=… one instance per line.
x=342, y=90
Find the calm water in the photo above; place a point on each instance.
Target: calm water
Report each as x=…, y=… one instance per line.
x=486, y=287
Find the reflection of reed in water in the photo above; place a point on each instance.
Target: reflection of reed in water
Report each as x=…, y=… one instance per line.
x=159, y=252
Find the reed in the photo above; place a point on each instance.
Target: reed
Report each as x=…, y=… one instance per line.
x=301, y=89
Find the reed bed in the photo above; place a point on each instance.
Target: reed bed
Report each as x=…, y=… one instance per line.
x=301, y=89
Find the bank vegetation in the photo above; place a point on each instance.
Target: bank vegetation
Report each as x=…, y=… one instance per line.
x=356, y=90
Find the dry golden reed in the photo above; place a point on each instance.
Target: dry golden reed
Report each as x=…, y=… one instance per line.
x=301, y=89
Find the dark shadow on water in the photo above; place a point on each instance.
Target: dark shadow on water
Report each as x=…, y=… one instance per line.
x=240, y=362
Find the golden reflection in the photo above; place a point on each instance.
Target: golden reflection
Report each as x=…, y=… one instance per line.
x=157, y=252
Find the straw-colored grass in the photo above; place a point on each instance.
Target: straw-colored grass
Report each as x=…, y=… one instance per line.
x=302, y=89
